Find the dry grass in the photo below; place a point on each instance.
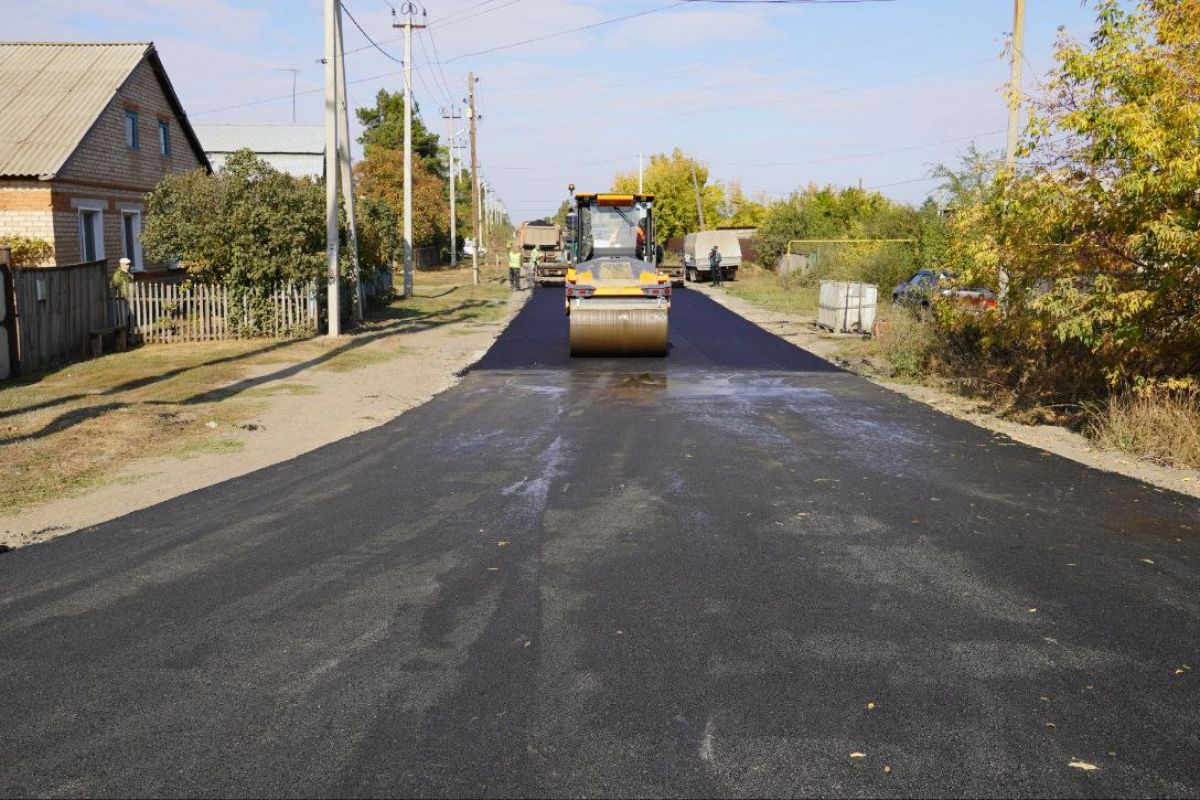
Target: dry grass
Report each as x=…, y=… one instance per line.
x=901, y=350
x=68, y=430
x=1161, y=428
x=766, y=289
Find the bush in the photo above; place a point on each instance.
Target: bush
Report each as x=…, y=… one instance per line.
x=28, y=251
x=907, y=343
x=247, y=225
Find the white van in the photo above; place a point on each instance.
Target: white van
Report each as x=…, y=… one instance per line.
x=696, y=247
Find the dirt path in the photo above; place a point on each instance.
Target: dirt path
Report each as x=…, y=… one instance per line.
x=299, y=406
x=801, y=331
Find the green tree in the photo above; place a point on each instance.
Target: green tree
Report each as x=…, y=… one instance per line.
x=1100, y=236
x=247, y=225
x=739, y=211
x=669, y=179
x=852, y=213
x=383, y=126
x=380, y=179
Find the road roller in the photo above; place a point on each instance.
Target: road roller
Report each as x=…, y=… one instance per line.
x=617, y=301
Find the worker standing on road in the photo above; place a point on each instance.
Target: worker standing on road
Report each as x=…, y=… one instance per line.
x=533, y=262
x=714, y=265
x=514, y=269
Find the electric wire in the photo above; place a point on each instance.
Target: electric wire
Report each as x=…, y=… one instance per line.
x=367, y=36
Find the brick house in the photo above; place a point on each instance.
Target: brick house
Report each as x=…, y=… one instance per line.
x=86, y=130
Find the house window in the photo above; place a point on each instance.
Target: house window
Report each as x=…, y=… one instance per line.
x=131, y=130
x=91, y=234
x=131, y=238
x=164, y=137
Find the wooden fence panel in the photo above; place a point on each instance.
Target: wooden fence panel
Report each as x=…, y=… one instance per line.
x=57, y=310
x=165, y=313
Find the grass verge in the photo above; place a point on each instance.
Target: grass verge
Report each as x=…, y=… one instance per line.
x=75, y=428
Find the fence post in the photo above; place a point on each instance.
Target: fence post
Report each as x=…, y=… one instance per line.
x=10, y=316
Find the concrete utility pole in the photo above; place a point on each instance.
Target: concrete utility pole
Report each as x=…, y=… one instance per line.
x=1014, y=108
x=451, y=117
x=1014, y=82
x=408, y=9
x=346, y=175
x=294, y=72
x=696, y=189
x=476, y=211
x=332, y=15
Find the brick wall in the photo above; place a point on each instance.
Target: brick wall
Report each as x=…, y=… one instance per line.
x=104, y=169
x=104, y=158
x=25, y=210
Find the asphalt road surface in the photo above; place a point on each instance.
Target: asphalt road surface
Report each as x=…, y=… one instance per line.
x=728, y=572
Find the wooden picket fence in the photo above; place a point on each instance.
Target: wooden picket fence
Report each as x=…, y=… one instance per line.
x=163, y=313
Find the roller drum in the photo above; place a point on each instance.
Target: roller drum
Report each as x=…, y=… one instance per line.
x=618, y=331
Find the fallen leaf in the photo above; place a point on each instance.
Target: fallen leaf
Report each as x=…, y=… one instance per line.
x=1147, y=561
x=1033, y=611
x=620, y=633
x=887, y=770
x=857, y=754
x=493, y=569
x=1051, y=725
x=501, y=543
x=1083, y=765
x=870, y=706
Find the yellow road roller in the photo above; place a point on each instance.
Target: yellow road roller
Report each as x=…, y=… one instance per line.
x=617, y=301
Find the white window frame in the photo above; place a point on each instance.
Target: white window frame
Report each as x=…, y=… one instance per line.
x=90, y=206
x=136, y=264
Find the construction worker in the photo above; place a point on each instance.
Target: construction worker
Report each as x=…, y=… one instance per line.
x=514, y=269
x=534, y=257
x=714, y=265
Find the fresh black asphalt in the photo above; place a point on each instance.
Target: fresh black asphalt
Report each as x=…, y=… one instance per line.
x=723, y=573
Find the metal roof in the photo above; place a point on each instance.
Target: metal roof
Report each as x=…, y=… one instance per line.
x=301, y=165
x=52, y=93
x=263, y=139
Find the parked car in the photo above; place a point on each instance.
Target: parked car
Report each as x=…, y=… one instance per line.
x=919, y=290
x=469, y=248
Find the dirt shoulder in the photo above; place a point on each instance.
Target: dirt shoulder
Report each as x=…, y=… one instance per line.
x=98, y=439
x=801, y=330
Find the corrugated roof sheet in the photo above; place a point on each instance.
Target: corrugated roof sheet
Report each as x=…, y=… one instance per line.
x=262, y=139
x=301, y=165
x=51, y=94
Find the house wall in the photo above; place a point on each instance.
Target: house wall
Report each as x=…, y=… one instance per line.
x=104, y=170
x=25, y=210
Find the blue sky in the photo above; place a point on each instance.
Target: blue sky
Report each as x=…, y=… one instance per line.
x=775, y=96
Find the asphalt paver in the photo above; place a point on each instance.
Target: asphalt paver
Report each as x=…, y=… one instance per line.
x=735, y=571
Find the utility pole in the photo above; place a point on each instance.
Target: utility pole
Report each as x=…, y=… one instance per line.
x=408, y=9
x=347, y=176
x=1014, y=108
x=1014, y=82
x=332, y=14
x=294, y=72
x=476, y=211
x=451, y=117
x=696, y=189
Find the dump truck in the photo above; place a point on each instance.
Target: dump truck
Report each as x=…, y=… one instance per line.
x=697, y=246
x=544, y=237
x=617, y=300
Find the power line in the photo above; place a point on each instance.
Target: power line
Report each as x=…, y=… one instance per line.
x=829, y=159
x=544, y=37
x=443, y=87
x=286, y=96
x=367, y=36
